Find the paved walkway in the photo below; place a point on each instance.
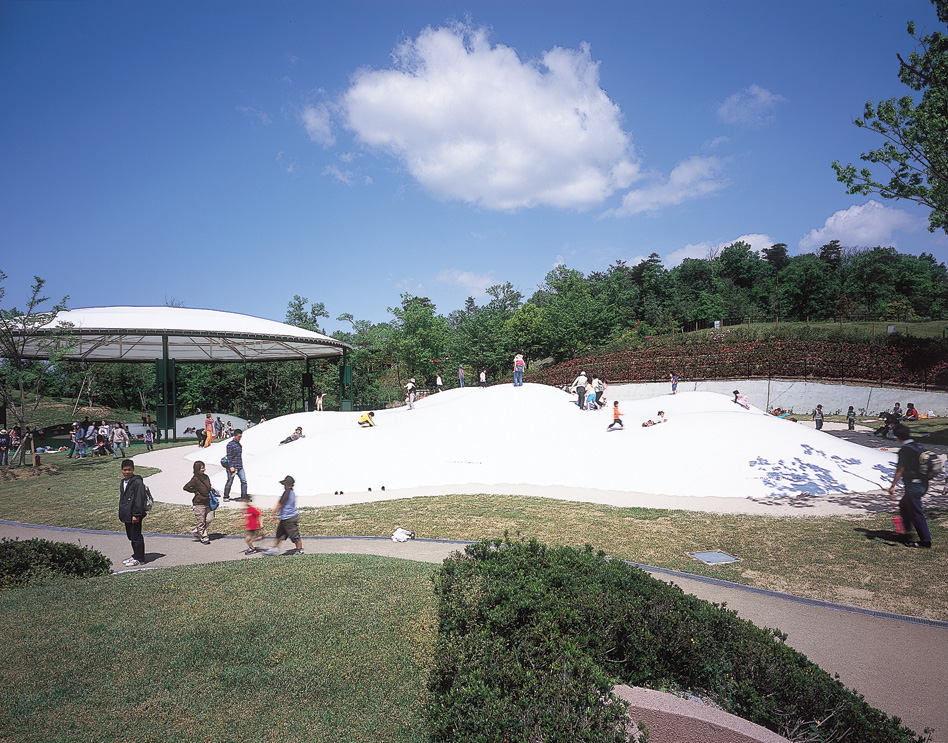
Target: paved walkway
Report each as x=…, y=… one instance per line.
x=898, y=664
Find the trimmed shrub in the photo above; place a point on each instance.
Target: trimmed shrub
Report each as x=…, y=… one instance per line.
x=34, y=561
x=532, y=638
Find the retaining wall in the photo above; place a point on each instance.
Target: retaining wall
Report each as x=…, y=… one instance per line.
x=800, y=397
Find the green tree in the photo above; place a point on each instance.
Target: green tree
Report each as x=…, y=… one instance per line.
x=22, y=379
x=808, y=289
x=915, y=150
x=297, y=314
x=419, y=339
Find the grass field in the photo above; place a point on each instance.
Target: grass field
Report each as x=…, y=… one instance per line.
x=322, y=648
x=848, y=560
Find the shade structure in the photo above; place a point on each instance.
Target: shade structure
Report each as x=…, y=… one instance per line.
x=192, y=335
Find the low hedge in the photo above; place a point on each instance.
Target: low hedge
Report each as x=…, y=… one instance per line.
x=33, y=561
x=531, y=640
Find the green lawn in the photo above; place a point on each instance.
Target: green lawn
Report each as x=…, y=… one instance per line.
x=317, y=648
x=848, y=560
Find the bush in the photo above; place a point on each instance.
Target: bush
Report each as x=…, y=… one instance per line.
x=530, y=639
x=35, y=561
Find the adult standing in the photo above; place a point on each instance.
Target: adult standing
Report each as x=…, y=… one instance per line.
x=235, y=466
x=910, y=506
x=288, y=516
x=132, y=511
x=208, y=429
x=200, y=487
x=519, y=366
x=5, y=448
x=483, y=379
x=579, y=387
x=319, y=401
x=461, y=375
x=119, y=439
x=439, y=383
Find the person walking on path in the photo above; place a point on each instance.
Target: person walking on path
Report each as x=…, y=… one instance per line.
x=461, y=375
x=579, y=389
x=200, y=486
x=288, y=516
x=616, y=417
x=410, y=390
x=851, y=418
x=519, y=366
x=674, y=383
x=149, y=440
x=439, y=383
x=910, y=506
x=818, y=417
x=132, y=511
x=253, y=527
x=235, y=466
x=483, y=379
x=119, y=440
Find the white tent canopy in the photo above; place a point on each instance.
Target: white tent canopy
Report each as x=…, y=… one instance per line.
x=139, y=333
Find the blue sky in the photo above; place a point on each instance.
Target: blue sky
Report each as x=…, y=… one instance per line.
x=229, y=155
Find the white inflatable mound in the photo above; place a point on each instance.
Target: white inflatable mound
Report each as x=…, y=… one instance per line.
x=536, y=435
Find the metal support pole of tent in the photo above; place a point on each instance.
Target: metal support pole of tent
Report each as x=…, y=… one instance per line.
x=165, y=392
x=345, y=383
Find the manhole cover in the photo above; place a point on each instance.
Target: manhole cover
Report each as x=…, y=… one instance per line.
x=714, y=557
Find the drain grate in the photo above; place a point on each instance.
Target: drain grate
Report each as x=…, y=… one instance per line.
x=714, y=557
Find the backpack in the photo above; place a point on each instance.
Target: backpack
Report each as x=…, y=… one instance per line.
x=930, y=464
x=213, y=499
x=149, y=501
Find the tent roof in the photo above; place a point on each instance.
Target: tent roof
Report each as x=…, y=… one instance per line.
x=136, y=334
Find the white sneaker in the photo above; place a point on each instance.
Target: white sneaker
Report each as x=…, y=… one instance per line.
x=273, y=551
x=133, y=563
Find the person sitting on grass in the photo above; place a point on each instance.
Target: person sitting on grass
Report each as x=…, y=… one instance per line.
x=366, y=420
x=297, y=434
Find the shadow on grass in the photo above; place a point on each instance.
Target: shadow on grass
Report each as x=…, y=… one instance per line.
x=888, y=536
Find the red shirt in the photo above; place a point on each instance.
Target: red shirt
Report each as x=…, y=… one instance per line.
x=253, y=518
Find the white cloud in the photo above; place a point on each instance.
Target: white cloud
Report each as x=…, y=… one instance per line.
x=753, y=106
x=866, y=225
x=261, y=117
x=343, y=176
x=472, y=122
x=318, y=124
x=703, y=250
x=690, y=179
x=475, y=284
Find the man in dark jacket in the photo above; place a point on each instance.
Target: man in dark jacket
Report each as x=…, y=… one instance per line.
x=132, y=511
x=910, y=506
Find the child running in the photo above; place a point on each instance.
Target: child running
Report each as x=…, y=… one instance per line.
x=615, y=416
x=253, y=525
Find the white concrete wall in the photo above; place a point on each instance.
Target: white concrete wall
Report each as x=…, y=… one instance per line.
x=797, y=396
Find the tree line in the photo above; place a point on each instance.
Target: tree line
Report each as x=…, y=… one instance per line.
x=569, y=315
